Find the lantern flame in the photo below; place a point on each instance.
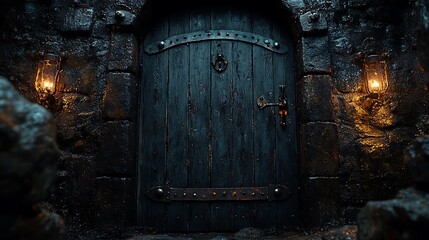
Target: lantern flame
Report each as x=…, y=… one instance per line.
x=374, y=84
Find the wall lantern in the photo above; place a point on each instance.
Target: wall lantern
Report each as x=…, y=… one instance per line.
x=48, y=74
x=375, y=70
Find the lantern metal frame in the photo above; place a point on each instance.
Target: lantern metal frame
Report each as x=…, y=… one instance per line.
x=47, y=79
x=375, y=75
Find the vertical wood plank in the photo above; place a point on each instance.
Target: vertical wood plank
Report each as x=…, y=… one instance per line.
x=221, y=119
x=265, y=123
x=286, y=144
x=242, y=115
x=152, y=131
x=177, y=122
x=199, y=119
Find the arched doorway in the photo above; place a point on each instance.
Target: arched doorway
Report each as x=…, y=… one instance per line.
x=210, y=159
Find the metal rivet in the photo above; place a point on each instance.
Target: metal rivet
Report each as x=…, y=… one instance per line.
x=262, y=193
x=195, y=194
x=175, y=194
x=161, y=45
x=209, y=34
x=277, y=192
x=253, y=194
x=159, y=193
x=119, y=15
x=314, y=17
x=276, y=45
x=224, y=193
x=196, y=217
x=234, y=194
x=184, y=194
x=214, y=193
x=267, y=41
x=227, y=34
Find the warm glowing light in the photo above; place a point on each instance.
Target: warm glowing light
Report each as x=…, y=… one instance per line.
x=48, y=72
x=374, y=85
x=48, y=85
x=375, y=70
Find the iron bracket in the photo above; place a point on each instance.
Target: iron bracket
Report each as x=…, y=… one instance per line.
x=232, y=35
x=166, y=194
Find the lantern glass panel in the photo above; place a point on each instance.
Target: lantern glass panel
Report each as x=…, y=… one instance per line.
x=376, y=76
x=47, y=76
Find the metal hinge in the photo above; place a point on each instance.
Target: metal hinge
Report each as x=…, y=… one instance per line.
x=273, y=192
x=231, y=35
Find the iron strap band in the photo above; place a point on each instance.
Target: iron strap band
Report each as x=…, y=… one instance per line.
x=233, y=35
x=167, y=194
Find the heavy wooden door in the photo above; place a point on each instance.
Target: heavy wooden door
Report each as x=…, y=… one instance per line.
x=210, y=159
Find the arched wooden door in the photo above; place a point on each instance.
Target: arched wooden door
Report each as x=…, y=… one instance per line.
x=210, y=159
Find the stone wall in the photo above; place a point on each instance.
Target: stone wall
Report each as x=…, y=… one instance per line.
x=351, y=147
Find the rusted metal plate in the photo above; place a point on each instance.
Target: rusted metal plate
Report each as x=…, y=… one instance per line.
x=233, y=35
x=274, y=192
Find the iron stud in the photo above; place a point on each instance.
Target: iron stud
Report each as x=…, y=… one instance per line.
x=120, y=15
x=276, y=45
x=267, y=41
x=161, y=45
x=184, y=194
x=277, y=192
x=195, y=195
x=214, y=193
x=159, y=193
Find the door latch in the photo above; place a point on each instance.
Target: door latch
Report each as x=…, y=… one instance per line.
x=282, y=104
x=220, y=63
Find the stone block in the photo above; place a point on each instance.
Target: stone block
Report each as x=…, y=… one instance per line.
x=405, y=217
x=347, y=137
x=351, y=194
x=79, y=174
x=320, y=201
x=79, y=116
x=350, y=214
x=79, y=76
x=119, y=96
x=313, y=22
x=417, y=158
x=123, y=52
x=78, y=20
x=322, y=4
x=317, y=99
x=114, y=204
x=295, y=4
x=316, y=55
x=116, y=149
x=319, y=143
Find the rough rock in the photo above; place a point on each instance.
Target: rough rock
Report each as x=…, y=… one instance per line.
x=27, y=149
x=33, y=223
x=251, y=233
x=417, y=157
x=405, y=217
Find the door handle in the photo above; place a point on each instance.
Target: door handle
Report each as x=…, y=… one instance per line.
x=282, y=104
